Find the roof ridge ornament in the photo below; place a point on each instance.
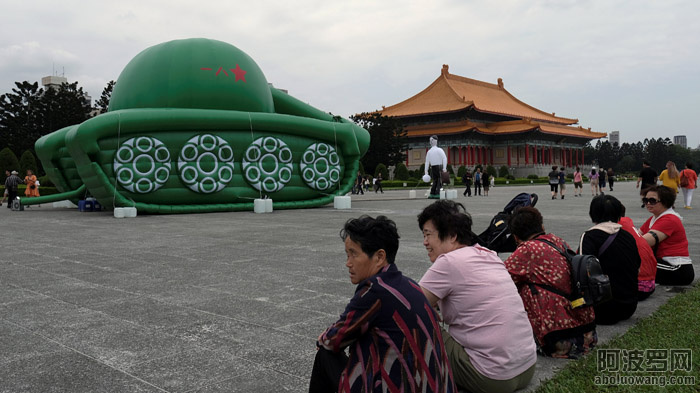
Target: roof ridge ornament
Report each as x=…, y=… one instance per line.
x=445, y=69
x=500, y=83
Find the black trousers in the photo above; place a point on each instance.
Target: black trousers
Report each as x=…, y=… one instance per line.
x=477, y=187
x=674, y=275
x=437, y=182
x=325, y=374
x=11, y=195
x=468, y=190
x=613, y=311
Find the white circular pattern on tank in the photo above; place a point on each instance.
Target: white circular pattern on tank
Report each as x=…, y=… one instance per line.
x=142, y=164
x=320, y=166
x=206, y=164
x=267, y=164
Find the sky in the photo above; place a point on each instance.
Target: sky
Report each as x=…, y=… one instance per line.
x=630, y=66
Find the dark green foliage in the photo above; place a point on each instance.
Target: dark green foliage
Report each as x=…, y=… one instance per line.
x=461, y=170
x=628, y=157
x=381, y=168
x=8, y=161
x=491, y=171
x=103, y=103
x=503, y=171
x=450, y=170
x=533, y=176
x=45, y=182
x=27, y=161
x=388, y=139
x=401, y=172
x=29, y=112
x=421, y=170
x=362, y=168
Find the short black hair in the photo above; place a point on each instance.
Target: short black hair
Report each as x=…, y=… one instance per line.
x=689, y=165
x=645, y=162
x=605, y=208
x=450, y=219
x=667, y=196
x=525, y=222
x=373, y=234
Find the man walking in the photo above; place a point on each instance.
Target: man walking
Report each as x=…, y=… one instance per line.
x=11, y=184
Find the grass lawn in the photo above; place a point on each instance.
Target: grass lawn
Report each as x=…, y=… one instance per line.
x=675, y=325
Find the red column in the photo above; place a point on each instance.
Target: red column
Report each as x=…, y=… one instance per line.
x=408, y=152
x=527, y=154
x=508, y=153
x=551, y=155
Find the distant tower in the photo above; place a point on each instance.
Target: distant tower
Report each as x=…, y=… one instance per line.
x=614, y=138
x=53, y=82
x=680, y=140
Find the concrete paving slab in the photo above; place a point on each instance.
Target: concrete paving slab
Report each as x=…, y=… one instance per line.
x=219, y=302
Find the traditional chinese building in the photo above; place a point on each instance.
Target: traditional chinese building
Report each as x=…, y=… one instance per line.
x=482, y=123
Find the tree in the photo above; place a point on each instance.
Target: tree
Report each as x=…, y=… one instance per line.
x=8, y=162
x=401, y=172
x=30, y=112
x=27, y=161
x=103, y=103
x=19, y=123
x=63, y=107
x=461, y=170
x=503, y=171
x=491, y=171
x=381, y=168
x=388, y=140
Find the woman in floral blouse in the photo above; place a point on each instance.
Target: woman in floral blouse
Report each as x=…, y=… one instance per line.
x=542, y=276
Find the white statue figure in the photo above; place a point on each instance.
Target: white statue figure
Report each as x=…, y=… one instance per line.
x=435, y=163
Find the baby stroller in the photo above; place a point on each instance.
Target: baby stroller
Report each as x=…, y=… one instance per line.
x=497, y=236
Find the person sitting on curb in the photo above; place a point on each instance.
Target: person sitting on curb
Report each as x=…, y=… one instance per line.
x=537, y=267
x=665, y=233
x=490, y=343
x=392, y=331
x=646, y=283
x=617, y=252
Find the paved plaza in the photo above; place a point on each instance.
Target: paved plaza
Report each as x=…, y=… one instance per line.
x=217, y=302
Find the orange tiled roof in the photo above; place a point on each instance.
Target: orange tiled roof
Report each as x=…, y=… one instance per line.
x=502, y=128
x=452, y=92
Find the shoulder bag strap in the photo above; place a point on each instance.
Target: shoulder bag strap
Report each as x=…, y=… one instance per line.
x=608, y=242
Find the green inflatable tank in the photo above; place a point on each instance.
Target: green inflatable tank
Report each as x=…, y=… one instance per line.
x=194, y=126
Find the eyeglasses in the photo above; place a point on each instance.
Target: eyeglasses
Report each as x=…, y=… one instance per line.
x=651, y=201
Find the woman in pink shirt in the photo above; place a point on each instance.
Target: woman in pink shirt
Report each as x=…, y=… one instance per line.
x=578, y=183
x=490, y=343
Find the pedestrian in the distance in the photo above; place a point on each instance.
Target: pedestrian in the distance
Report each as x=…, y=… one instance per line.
x=578, y=183
x=553, y=181
x=467, y=181
x=11, y=184
x=611, y=178
x=601, y=180
x=486, y=180
x=477, y=182
x=378, y=184
x=562, y=182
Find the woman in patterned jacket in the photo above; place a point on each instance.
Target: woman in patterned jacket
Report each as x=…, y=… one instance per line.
x=542, y=276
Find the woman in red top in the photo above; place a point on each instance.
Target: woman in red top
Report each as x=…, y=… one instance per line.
x=647, y=270
x=665, y=233
x=536, y=267
x=688, y=176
